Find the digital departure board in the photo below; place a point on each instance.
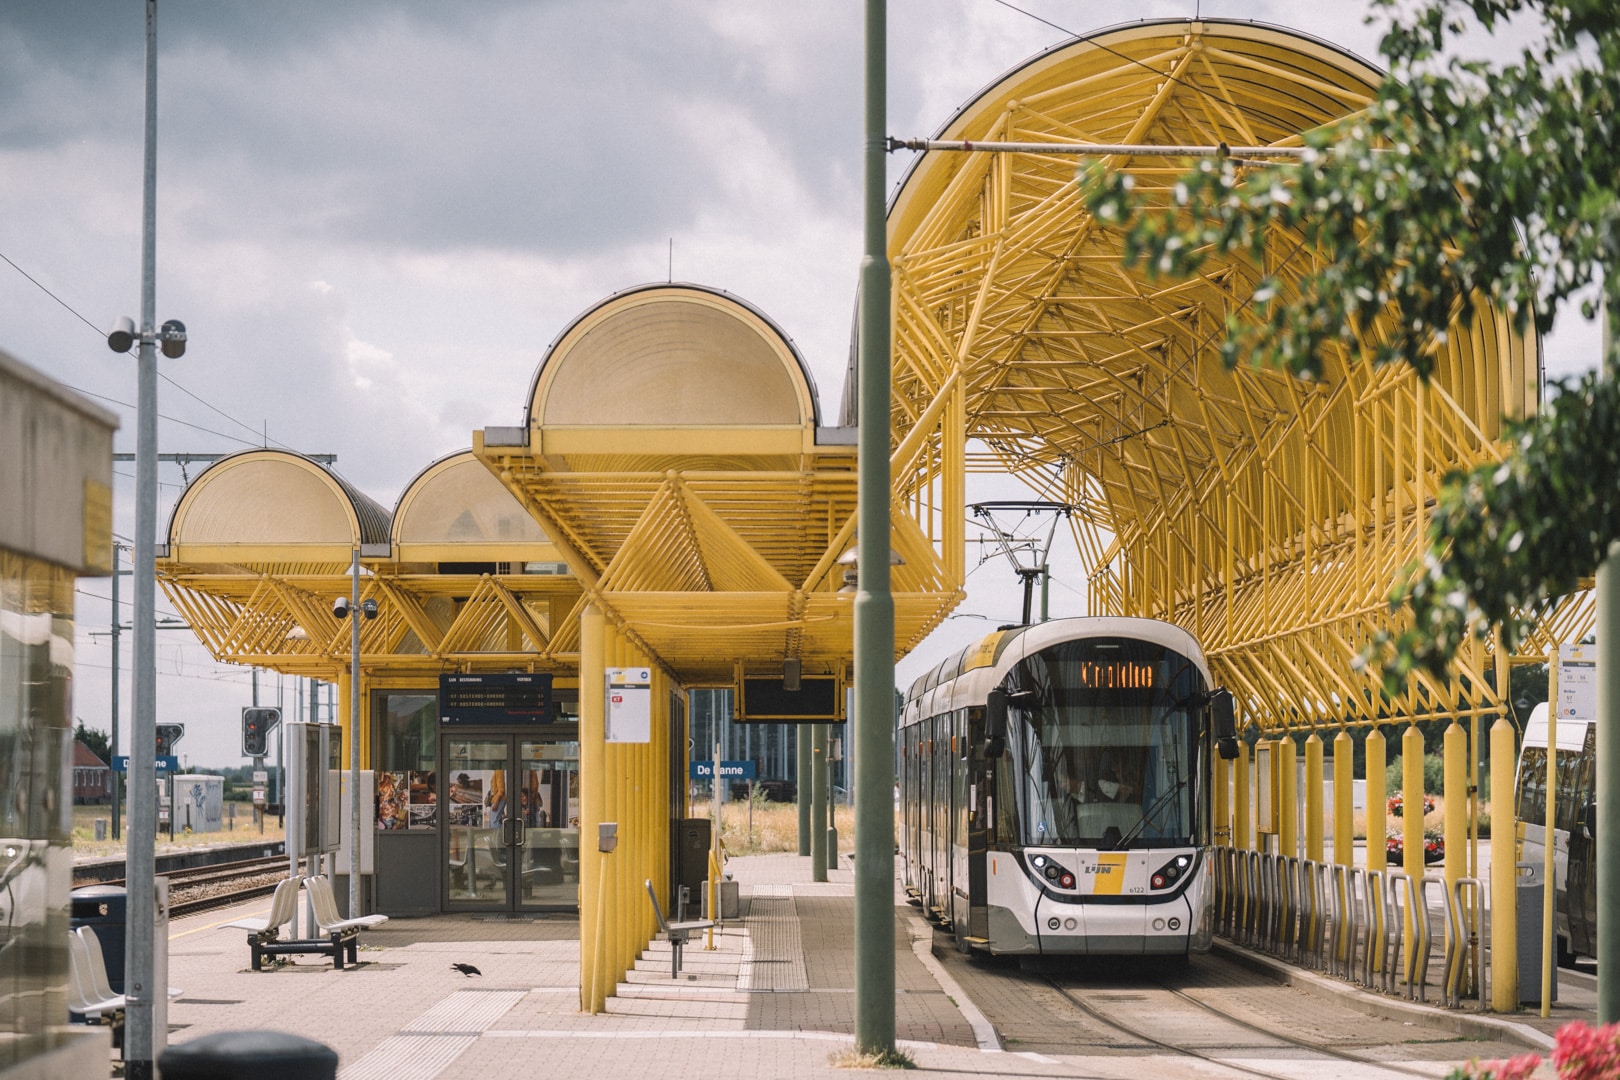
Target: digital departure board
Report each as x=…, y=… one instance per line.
x=504, y=698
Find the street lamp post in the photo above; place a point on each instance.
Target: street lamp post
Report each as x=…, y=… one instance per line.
x=139, y=869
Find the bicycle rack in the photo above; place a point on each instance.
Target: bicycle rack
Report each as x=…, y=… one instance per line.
x=1462, y=952
x=1375, y=959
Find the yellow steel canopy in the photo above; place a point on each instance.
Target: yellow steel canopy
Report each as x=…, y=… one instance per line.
x=1265, y=513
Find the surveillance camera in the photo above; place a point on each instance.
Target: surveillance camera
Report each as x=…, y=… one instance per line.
x=173, y=337
x=122, y=336
x=368, y=608
x=340, y=607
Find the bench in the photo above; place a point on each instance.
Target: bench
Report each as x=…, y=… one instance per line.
x=677, y=933
x=265, y=937
x=338, y=930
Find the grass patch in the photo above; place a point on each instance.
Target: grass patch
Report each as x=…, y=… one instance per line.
x=885, y=1059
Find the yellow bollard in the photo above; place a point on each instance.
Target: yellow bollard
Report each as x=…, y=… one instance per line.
x=1344, y=799
x=1221, y=834
x=1240, y=797
x=1504, y=871
x=1412, y=825
x=1313, y=797
x=1287, y=809
x=1377, y=808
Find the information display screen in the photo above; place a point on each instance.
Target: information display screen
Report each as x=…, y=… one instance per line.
x=764, y=699
x=504, y=698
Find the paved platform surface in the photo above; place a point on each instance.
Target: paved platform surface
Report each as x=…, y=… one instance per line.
x=774, y=998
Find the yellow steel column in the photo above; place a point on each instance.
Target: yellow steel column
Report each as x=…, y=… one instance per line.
x=1377, y=803
x=1222, y=810
x=1313, y=797
x=592, y=791
x=1504, y=872
x=1240, y=797
x=1412, y=823
x=1287, y=809
x=1454, y=789
x=1344, y=799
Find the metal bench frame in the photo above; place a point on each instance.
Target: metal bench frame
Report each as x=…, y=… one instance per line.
x=677, y=933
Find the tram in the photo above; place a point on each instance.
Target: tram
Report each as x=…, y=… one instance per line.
x=1055, y=791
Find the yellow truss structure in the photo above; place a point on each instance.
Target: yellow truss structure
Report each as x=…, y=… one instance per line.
x=673, y=472
x=1268, y=514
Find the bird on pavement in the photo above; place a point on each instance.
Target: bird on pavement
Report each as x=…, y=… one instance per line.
x=467, y=969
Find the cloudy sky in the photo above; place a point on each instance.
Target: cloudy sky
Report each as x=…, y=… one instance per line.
x=374, y=216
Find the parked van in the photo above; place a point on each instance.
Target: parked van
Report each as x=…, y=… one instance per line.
x=1574, y=825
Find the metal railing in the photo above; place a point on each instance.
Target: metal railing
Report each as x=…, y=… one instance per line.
x=1369, y=927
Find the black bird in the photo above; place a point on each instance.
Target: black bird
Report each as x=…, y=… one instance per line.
x=467, y=969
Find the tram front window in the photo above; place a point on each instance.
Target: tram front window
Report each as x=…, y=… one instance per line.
x=1106, y=746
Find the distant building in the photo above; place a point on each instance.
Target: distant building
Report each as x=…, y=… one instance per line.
x=92, y=779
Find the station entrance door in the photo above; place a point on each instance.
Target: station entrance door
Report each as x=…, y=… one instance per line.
x=510, y=805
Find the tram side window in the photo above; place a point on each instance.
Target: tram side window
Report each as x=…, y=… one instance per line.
x=1532, y=786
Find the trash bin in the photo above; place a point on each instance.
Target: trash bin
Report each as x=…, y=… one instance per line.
x=1532, y=905
x=248, y=1055
x=104, y=908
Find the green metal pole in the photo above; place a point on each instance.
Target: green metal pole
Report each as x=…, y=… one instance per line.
x=1608, y=746
x=802, y=787
x=818, y=802
x=873, y=725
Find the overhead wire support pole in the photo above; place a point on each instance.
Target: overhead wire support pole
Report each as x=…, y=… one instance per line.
x=139, y=854
x=1608, y=728
x=874, y=603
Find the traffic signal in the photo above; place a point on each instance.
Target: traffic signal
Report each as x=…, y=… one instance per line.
x=167, y=736
x=256, y=725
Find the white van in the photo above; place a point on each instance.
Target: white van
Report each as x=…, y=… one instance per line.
x=1574, y=825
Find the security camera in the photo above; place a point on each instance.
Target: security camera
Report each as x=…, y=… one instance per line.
x=172, y=335
x=368, y=608
x=340, y=607
x=121, y=338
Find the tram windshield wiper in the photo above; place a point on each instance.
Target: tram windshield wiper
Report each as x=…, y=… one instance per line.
x=1150, y=814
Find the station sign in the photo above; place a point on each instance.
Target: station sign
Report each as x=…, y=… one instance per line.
x=162, y=763
x=729, y=770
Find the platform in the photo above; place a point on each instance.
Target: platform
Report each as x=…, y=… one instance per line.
x=773, y=998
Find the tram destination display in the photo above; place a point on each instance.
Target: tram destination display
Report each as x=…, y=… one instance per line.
x=503, y=698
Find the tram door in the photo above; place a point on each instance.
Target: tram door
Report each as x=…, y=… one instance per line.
x=511, y=822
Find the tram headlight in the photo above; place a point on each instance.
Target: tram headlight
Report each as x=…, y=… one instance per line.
x=1052, y=871
x=1171, y=872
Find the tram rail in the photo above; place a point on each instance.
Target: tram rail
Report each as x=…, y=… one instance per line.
x=1088, y=1004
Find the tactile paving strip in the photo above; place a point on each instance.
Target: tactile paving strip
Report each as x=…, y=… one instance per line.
x=773, y=956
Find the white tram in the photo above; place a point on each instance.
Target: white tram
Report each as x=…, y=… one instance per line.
x=1055, y=789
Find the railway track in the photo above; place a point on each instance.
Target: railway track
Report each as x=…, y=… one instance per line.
x=1164, y=1017
x=205, y=887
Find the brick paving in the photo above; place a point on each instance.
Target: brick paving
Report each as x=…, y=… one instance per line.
x=406, y=1014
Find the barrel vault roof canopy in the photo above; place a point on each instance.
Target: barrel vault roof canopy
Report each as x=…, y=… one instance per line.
x=1267, y=514
x=672, y=450
x=260, y=546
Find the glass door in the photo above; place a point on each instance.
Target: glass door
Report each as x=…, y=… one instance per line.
x=548, y=807
x=511, y=823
